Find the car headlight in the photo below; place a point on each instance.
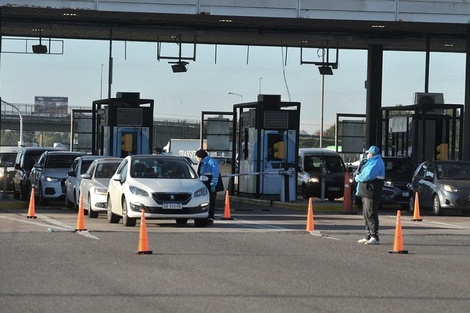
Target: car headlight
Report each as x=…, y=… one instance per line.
x=100, y=191
x=51, y=179
x=201, y=192
x=138, y=192
x=388, y=183
x=314, y=180
x=449, y=188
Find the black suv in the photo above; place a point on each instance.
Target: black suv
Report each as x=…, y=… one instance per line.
x=398, y=173
x=25, y=160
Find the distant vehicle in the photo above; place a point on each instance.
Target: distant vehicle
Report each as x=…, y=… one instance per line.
x=398, y=174
x=166, y=187
x=183, y=147
x=94, y=184
x=7, y=170
x=315, y=164
x=72, y=182
x=49, y=173
x=25, y=159
x=442, y=186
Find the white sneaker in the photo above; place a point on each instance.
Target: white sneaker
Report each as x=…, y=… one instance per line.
x=372, y=241
x=363, y=240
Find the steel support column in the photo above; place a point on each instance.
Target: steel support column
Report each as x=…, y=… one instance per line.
x=466, y=118
x=374, y=95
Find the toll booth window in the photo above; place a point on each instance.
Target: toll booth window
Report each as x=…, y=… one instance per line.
x=276, y=147
x=128, y=144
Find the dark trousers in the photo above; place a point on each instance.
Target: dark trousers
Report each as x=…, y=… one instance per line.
x=212, y=195
x=370, y=209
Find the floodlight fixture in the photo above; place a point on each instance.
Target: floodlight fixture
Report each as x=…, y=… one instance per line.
x=40, y=48
x=325, y=70
x=179, y=67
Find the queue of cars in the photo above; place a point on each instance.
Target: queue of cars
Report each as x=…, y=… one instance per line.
x=166, y=186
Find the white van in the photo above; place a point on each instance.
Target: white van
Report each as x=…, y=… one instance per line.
x=312, y=163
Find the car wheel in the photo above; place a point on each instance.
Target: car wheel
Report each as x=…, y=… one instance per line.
x=75, y=204
x=181, y=221
x=200, y=222
x=411, y=205
x=41, y=200
x=23, y=193
x=331, y=199
x=126, y=220
x=68, y=204
x=305, y=193
x=111, y=217
x=436, y=205
x=16, y=195
x=91, y=213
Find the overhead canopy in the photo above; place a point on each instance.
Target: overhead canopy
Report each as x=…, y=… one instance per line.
x=295, y=23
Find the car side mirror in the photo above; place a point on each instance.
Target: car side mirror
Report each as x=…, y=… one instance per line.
x=85, y=176
x=203, y=178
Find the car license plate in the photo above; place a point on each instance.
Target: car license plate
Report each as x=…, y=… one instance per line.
x=173, y=206
x=406, y=194
x=333, y=188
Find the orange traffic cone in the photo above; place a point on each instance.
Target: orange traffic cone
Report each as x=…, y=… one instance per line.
x=81, y=216
x=347, y=200
x=398, y=243
x=227, y=207
x=310, y=215
x=416, y=215
x=32, y=206
x=143, y=247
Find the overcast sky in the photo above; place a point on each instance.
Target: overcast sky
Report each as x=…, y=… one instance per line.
x=81, y=74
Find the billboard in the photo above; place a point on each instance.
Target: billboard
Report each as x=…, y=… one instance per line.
x=51, y=105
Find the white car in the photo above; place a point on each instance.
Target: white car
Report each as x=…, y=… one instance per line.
x=72, y=182
x=94, y=184
x=164, y=186
x=49, y=173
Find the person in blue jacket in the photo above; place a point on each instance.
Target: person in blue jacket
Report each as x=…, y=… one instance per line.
x=369, y=188
x=210, y=168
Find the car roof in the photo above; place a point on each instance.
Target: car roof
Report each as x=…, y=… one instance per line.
x=59, y=152
x=107, y=159
x=318, y=151
x=456, y=162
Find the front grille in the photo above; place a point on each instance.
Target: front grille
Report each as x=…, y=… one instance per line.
x=161, y=197
x=182, y=211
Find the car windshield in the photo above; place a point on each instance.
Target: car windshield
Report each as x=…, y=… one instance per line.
x=106, y=170
x=331, y=163
x=59, y=161
x=161, y=167
x=453, y=171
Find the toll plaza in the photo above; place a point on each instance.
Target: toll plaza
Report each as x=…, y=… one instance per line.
x=123, y=125
x=266, y=144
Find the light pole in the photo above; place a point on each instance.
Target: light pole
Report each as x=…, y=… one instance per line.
x=101, y=83
x=259, y=91
x=20, y=143
x=236, y=94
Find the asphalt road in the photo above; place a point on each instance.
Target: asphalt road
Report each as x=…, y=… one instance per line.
x=261, y=261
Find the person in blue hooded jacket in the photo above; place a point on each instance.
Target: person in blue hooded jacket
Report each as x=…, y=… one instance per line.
x=369, y=188
x=210, y=168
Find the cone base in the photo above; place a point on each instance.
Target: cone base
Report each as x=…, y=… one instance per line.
x=31, y=216
x=145, y=252
x=417, y=219
x=226, y=218
x=398, y=252
x=81, y=229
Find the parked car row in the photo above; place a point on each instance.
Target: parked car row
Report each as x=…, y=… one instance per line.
x=164, y=186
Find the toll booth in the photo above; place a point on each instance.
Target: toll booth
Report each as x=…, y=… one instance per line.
x=423, y=132
x=123, y=125
x=266, y=142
